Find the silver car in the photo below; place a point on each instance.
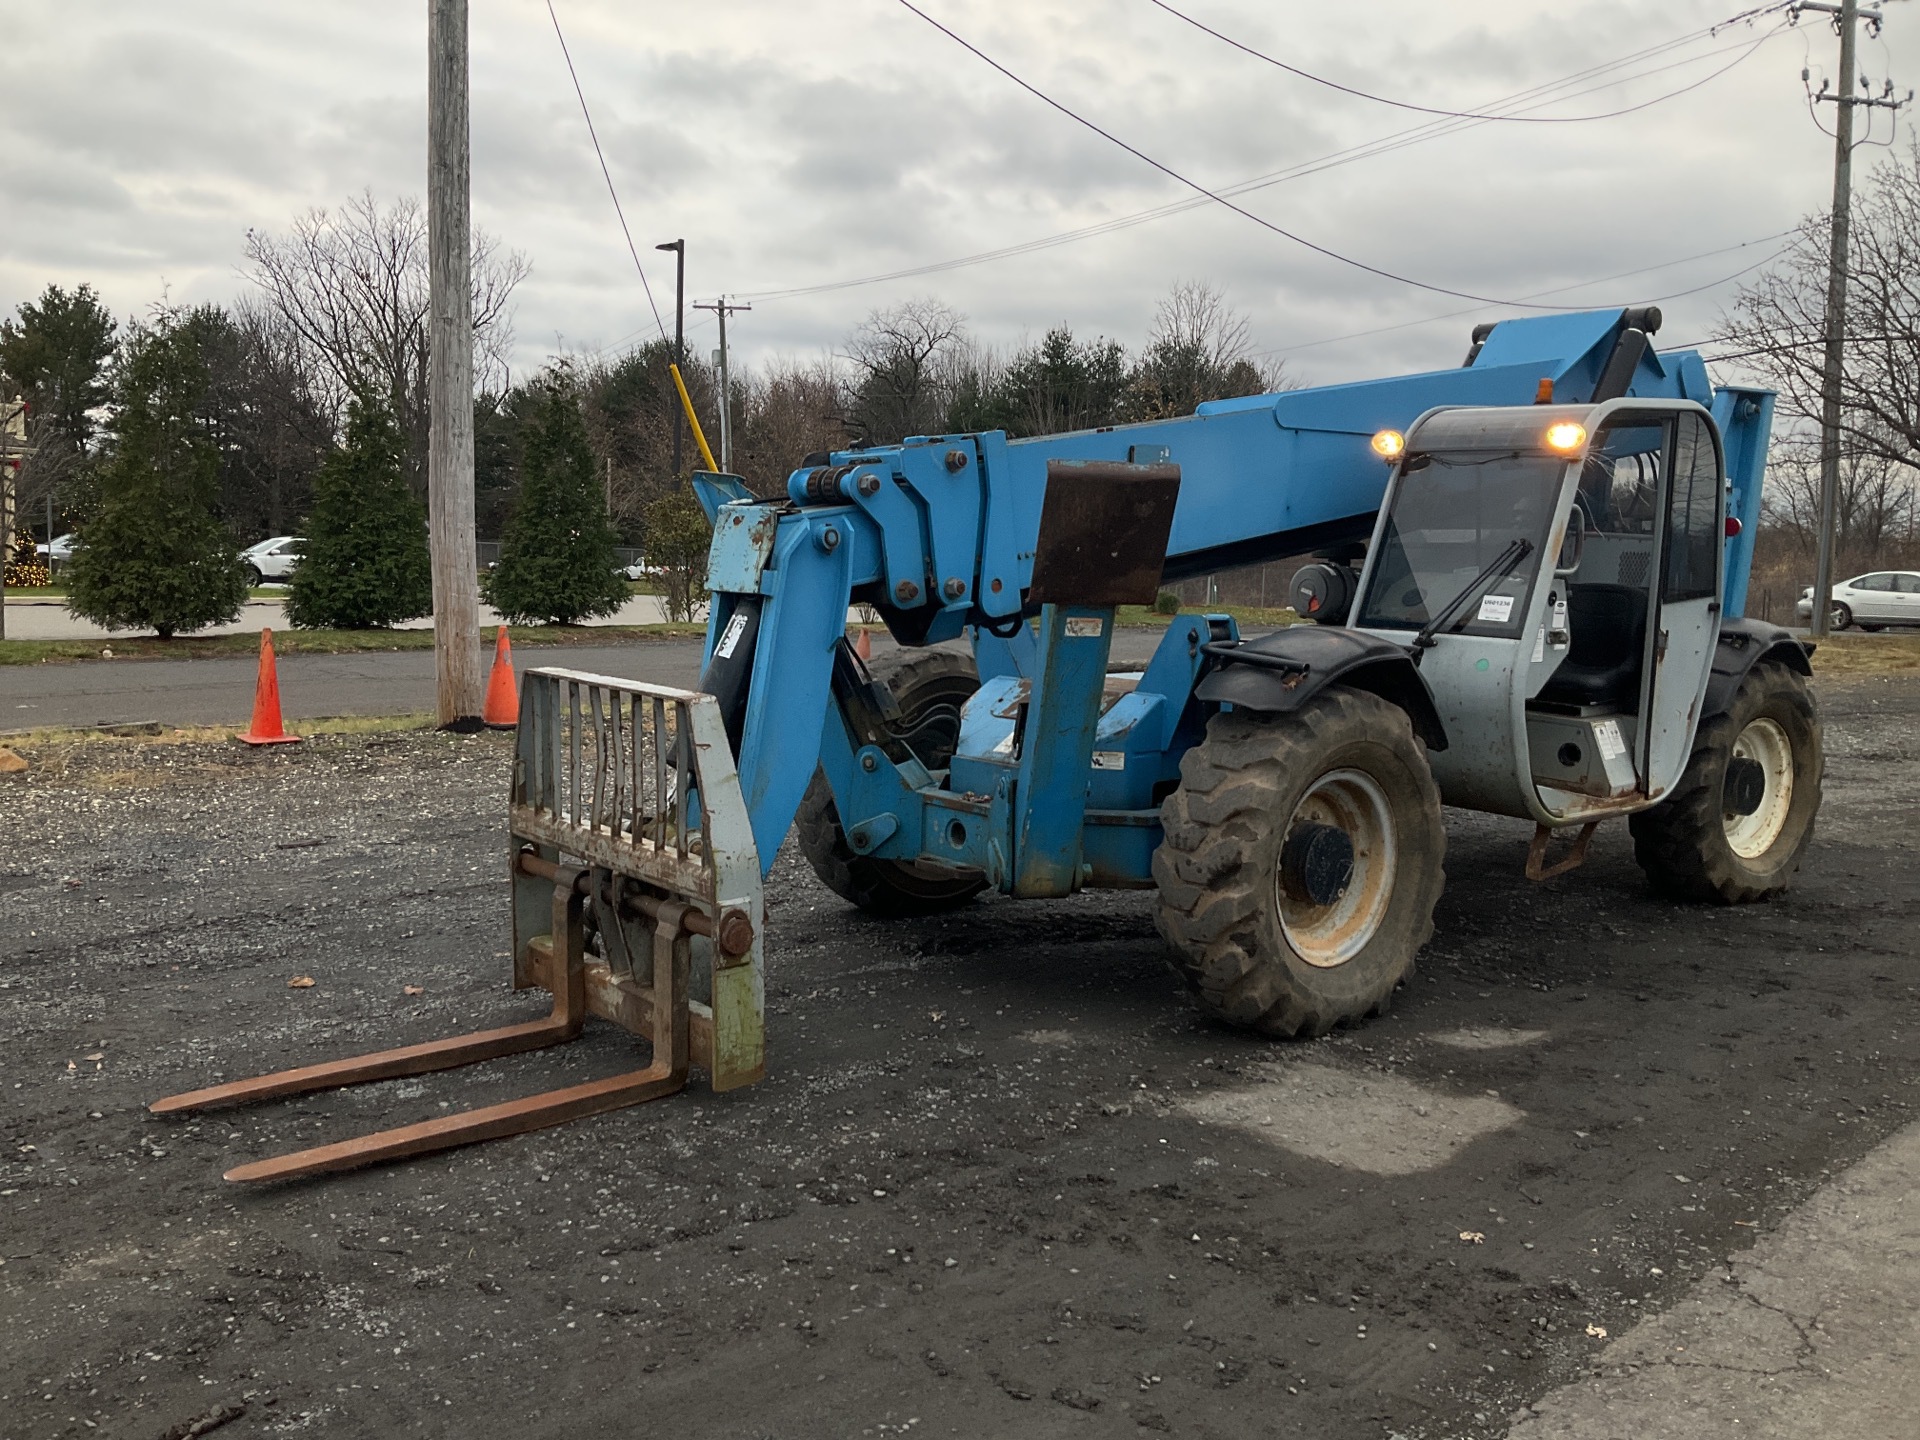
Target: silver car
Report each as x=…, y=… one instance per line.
x=1872, y=601
x=271, y=562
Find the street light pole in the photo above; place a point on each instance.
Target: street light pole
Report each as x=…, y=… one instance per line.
x=679, y=248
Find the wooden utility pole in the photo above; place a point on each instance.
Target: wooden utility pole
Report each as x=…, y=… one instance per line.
x=456, y=600
x=724, y=307
x=1847, y=15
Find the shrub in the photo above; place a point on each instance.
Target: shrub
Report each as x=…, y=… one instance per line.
x=677, y=541
x=1166, y=603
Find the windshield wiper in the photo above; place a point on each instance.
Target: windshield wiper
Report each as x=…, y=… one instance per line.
x=1444, y=619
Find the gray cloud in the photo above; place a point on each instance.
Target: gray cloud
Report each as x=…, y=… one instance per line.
x=801, y=142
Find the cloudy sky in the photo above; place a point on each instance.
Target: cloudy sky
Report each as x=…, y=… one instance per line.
x=802, y=143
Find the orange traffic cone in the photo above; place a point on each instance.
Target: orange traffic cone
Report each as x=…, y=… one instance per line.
x=265, y=729
x=863, y=644
x=503, y=696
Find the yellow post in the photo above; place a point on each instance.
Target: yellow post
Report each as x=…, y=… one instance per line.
x=693, y=420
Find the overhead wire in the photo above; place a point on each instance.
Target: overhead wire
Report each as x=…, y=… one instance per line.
x=605, y=174
x=1530, y=98
x=673, y=365
x=1559, y=290
x=1219, y=197
x=1480, y=113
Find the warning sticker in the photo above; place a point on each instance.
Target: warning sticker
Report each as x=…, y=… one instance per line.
x=1109, y=759
x=1559, y=612
x=1496, y=608
x=1085, y=627
x=1606, y=734
x=730, y=637
x=1539, y=644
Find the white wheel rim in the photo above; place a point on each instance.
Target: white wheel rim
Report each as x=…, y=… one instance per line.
x=1328, y=936
x=1766, y=744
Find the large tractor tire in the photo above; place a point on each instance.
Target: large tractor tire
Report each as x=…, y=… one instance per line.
x=1741, y=814
x=927, y=685
x=1302, y=861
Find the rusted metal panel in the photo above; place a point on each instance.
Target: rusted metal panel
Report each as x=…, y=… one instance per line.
x=1103, y=533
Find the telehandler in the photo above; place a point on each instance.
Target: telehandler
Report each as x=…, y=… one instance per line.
x=1527, y=602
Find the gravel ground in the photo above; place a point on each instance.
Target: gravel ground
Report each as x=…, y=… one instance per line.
x=1001, y=1179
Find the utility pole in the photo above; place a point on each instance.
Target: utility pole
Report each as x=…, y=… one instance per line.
x=456, y=601
x=679, y=248
x=1847, y=15
x=723, y=308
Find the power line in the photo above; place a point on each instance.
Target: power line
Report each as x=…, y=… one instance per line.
x=1478, y=114
x=1381, y=145
x=606, y=174
x=1559, y=290
x=1216, y=196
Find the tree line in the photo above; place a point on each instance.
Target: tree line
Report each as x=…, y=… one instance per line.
x=301, y=407
x=172, y=440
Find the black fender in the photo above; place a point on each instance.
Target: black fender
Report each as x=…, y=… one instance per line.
x=1744, y=643
x=1278, y=673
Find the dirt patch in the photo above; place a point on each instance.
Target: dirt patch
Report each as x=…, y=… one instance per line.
x=935, y=1216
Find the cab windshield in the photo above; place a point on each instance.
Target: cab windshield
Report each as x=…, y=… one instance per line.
x=1453, y=516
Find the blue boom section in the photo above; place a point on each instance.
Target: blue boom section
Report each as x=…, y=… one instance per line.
x=939, y=535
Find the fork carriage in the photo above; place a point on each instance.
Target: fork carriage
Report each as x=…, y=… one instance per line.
x=635, y=881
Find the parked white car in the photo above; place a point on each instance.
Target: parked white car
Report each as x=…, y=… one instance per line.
x=1873, y=601
x=640, y=570
x=271, y=562
x=59, y=552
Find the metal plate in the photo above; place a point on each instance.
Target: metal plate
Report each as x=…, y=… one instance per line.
x=1103, y=532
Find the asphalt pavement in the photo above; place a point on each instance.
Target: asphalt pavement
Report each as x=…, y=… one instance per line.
x=220, y=692
x=47, y=618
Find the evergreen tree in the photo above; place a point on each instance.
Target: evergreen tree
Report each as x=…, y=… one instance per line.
x=366, y=561
x=556, y=558
x=57, y=353
x=152, y=554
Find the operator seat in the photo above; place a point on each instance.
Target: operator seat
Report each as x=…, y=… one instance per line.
x=1609, y=636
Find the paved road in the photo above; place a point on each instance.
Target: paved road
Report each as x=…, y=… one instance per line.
x=220, y=692
x=46, y=619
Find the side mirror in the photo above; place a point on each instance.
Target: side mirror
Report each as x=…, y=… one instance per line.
x=1577, y=538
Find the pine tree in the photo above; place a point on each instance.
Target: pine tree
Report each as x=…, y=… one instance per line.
x=365, y=564
x=153, y=555
x=557, y=561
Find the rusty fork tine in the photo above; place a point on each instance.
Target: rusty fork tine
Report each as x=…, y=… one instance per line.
x=491, y=1122
x=565, y=1023
x=422, y=1059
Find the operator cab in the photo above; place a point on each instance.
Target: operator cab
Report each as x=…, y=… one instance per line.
x=1556, y=570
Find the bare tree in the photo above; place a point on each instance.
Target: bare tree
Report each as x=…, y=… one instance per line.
x=1877, y=510
x=1199, y=349
x=351, y=287
x=791, y=409
x=904, y=370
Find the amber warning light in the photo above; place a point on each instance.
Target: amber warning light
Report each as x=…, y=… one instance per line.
x=1389, y=444
x=1566, y=436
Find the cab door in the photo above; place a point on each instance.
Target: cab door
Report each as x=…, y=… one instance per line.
x=1680, y=645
